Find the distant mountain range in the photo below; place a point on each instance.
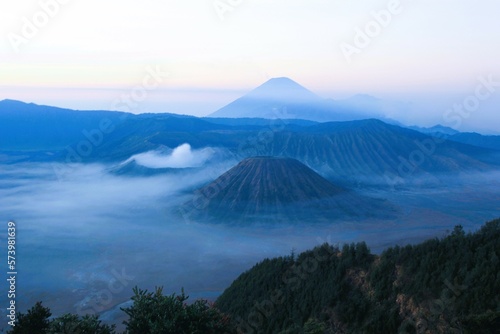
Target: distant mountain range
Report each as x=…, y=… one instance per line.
x=28, y=127
x=469, y=138
x=350, y=151
x=435, y=130
x=475, y=139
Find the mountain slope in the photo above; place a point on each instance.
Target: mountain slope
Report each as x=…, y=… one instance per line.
x=270, y=100
x=439, y=286
x=43, y=133
x=370, y=148
x=280, y=189
x=27, y=126
x=283, y=98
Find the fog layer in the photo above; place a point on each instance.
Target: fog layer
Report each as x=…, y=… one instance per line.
x=85, y=240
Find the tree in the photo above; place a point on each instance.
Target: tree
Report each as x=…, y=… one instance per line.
x=36, y=321
x=154, y=313
x=458, y=232
x=313, y=326
x=73, y=324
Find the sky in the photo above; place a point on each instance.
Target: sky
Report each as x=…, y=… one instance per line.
x=194, y=57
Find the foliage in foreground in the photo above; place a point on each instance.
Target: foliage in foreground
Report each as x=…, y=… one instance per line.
x=36, y=321
x=151, y=313
x=155, y=313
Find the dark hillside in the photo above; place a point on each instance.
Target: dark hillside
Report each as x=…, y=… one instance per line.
x=450, y=285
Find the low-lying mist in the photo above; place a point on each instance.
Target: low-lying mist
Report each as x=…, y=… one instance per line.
x=86, y=239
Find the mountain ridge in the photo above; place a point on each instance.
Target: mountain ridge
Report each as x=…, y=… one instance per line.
x=366, y=151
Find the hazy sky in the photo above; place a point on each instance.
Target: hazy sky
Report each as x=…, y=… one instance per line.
x=86, y=54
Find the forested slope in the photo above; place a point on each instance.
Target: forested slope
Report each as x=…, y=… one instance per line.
x=451, y=285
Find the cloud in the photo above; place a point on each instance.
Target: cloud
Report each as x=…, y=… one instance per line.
x=181, y=157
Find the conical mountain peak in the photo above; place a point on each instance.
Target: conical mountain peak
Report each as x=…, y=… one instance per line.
x=270, y=100
x=276, y=188
x=285, y=90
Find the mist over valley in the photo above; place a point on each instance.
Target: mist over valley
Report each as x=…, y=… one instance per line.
x=105, y=201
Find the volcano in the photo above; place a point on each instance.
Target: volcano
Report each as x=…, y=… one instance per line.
x=275, y=98
x=283, y=98
x=278, y=189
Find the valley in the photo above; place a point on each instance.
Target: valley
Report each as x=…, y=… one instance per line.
x=250, y=167
x=106, y=201
x=77, y=233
